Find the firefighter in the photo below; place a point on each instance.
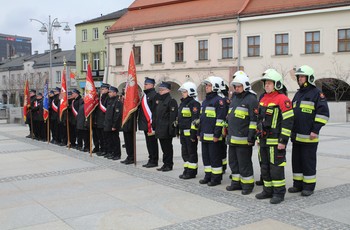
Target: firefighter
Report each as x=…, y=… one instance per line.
x=112, y=124
x=145, y=111
x=212, y=118
x=242, y=118
x=30, y=117
x=310, y=114
x=163, y=119
x=275, y=122
x=54, y=119
x=188, y=112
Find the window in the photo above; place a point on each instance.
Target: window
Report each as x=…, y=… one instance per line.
x=84, y=58
x=203, y=50
x=344, y=40
x=118, y=57
x=84, y=35
x=158, y=57
x=227, y=48
x=96, y=61
x=137, y=55
x=179, y=52
x=95, y=33
x=58, y=76
x=253, y=46
x=312, y=42
x=281, y=44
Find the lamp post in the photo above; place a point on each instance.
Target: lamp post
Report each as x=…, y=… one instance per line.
x=48, y=28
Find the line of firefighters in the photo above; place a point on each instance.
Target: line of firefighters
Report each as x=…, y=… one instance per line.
x=239, y=121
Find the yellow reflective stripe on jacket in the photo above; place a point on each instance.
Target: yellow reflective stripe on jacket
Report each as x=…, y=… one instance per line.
x=194, y=127
x=278, y=183
x=321, y=118
x=186, y=112
x=229, y=110
x=305, y=138
x=272, y=141
x=239, y=140
x=241, y=112
x=192, y=165
x=307, y=105
x=224, y=161
x=275, y=118
x=287, y=114
x=220, y=122
x=216, y=171
x=207, y=169
x=210, y=112
x=298, y=176
x=236, y=177
x=187, y=132
x=208, y=137
x=309, y=179
x=252, y=125
x=267, y=183
x=286, y=132
x=247, y=180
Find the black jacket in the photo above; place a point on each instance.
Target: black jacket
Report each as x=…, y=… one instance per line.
x=164, y=116
x=82, y=122
x=99, y=114
x=113, y=117
x=189, y=110
x=150, y=94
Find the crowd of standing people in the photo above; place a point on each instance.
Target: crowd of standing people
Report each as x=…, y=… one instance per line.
x=239, y=121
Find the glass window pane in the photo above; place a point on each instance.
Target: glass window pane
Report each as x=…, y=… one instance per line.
x=341, y=47
x=316, y=48
x=341, y=34
x=278, y=50
x=250, y=41
x=250, y=52
x=348, y=46
x=257, y=40
x=308, y=48
x=285, y=38
x=278, y=39
x=257, y=51
x=285, y=49
x=348, y=33
x=316, y=36
x=308, y=37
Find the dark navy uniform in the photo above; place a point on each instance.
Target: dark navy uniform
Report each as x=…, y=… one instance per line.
x=189, y=110
x=310, y=114
x=212, y=118
x=99, y=118
x=242, y=124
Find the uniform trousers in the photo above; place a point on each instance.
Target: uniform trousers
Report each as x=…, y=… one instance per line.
x=304, y=165
x=113, y=143
x=129, y=144
x=272, y=170
x=168, y=151
x=189, y=155
x=240, y=161
x=212, y=160
x=152, y=148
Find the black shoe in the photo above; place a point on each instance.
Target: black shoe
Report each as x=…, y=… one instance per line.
x=29, y=136
x=85, y=150
x=110, y=156
x=233, y=188
x=161, y=168
x=99, y=153
x=181, y=176
x=187, y=176
x=127, y=162
x=307, y=192
x=115, y=158
x=263, y=195
x=246, y=192
x=213, y=183
x=276, y=200
x=259, y=183
x=204, y=181
x=95, y=150
x=294, y=190
x=151, y=165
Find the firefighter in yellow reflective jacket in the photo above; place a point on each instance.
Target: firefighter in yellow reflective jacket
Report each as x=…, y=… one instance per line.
x=212, y=119
x=242, y=118
x=275, y=122
x=310, y=114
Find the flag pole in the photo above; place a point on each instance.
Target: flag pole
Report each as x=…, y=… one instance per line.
x=67, y=122
x=31, y=123
x=134, y=137
x=48, y=129
x=90, y=131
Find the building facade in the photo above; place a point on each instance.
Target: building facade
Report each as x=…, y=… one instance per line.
x=14, y=46
x=91, y=46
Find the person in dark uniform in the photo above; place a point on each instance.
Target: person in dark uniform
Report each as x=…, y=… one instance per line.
x=112, y=125
x=99, y=119
x=129, y=135
x=51, y=98
x=71, y=121
x=76, y=138
x=145, y=111
x=30, y=121
x=242, y=118
x=163, y=123
x=62, y=125
x=83, y=138
x=274, y=125
x=311, y=113
x=54, y=118
x=212, y=118
x=188, y=112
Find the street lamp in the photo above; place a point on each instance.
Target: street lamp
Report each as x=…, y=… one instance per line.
x=48, y=28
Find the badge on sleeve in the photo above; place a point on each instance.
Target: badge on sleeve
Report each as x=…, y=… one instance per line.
x=173, y=109
x=195, y=109
x=287, y=104
x=221, y=102
x=322, y=95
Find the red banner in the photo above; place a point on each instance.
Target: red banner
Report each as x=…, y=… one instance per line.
x=64, y=95
x=91, y=98
x=131, y=99
x=26, y=102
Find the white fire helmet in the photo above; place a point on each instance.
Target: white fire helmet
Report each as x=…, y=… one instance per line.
x=190, y=87
x=241, y=78
x=216, y=83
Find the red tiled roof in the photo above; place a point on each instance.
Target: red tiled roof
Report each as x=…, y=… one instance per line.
x=264, y=7
x=171, y=12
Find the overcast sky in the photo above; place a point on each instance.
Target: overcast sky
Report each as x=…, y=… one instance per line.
x=14, y=18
